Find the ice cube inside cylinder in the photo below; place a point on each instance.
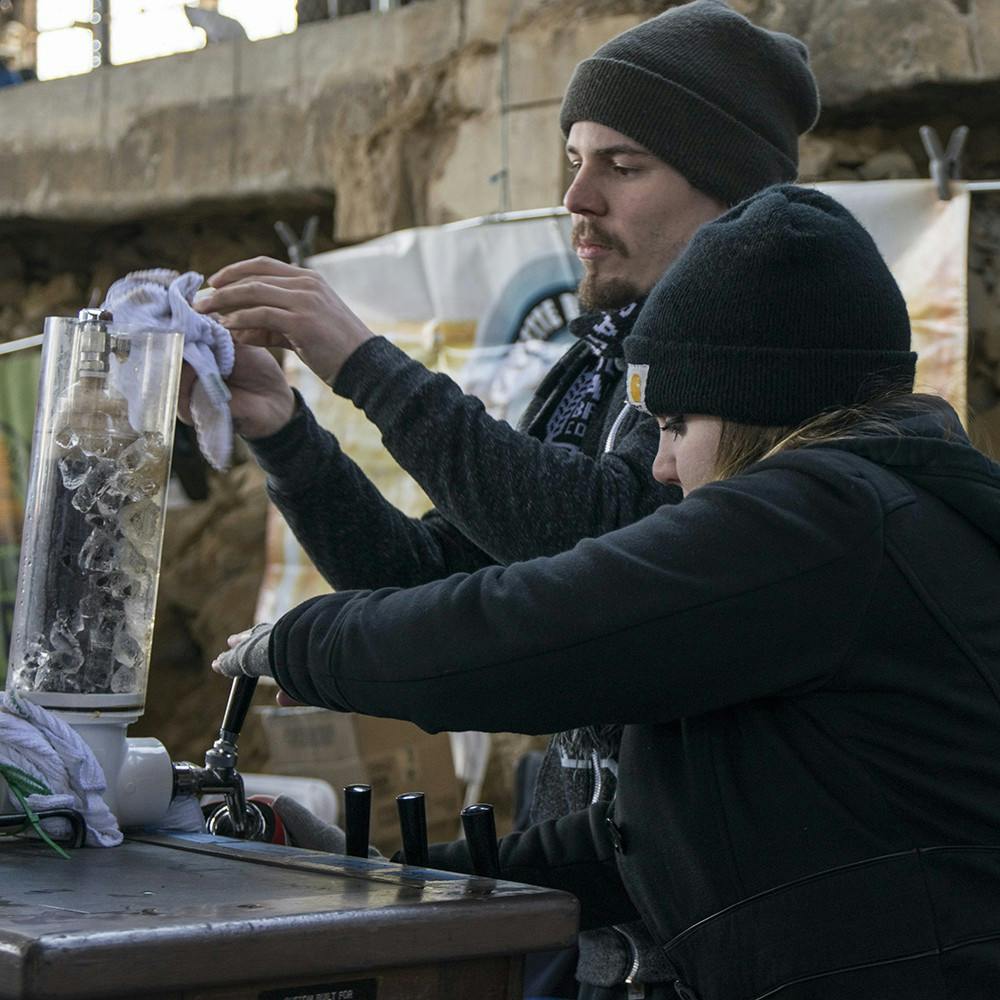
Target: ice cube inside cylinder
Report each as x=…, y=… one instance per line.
x=102, y=629
x=95, y=481
x=143, y=466
x=140, y=522
x=65, y=652
x=126, y=651
x=98, y=552
x=66, y=439
x=73, y=467
x=143, y=453
x=124, y=680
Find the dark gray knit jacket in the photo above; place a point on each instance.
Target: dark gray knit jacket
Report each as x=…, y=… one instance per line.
x=501, y=495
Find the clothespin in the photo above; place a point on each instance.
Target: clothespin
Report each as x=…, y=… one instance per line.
x=946, y=164
x=298, y=247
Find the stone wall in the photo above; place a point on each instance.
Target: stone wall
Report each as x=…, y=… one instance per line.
x=438, y=111
x=448, y=108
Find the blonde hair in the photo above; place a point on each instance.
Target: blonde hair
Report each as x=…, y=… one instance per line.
x=743, y=445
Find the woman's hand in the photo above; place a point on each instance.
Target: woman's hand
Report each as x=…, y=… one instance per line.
x=247, y=655
x=272, y=304
x=307, y=830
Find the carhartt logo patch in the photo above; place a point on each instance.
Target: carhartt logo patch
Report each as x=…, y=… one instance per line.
x=636, y=383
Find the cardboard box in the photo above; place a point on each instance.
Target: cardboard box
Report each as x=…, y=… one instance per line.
x=391, y=756
x=303, y=734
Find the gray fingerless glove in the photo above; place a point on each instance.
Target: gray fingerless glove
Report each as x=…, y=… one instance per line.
x=249, y=657
x=309, y=831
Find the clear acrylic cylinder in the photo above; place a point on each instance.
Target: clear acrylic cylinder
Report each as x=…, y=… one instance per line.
x=94, y=515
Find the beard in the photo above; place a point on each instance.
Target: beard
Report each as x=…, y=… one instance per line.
x=605, y=294
x=609, y=293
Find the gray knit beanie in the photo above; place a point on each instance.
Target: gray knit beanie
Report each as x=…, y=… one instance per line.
x=776, y=311
x=719, y=99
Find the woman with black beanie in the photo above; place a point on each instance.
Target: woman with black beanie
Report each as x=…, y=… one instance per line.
x=804, y=653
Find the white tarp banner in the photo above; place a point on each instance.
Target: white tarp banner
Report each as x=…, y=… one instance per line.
x=925, y=242
x=487, y=301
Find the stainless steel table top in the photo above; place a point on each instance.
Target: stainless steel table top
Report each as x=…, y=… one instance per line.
x=172, y=912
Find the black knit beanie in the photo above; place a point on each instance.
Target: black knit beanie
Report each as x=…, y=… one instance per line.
x=719, y=99
x=776, y=311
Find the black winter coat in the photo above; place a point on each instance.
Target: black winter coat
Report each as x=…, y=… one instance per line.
x=807, y=662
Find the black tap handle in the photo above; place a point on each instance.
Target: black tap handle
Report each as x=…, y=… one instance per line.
x=481, y=836
x=413, y=828
x=240, y=696
x=357, y=819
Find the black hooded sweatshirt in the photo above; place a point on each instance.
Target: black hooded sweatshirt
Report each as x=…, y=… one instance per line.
x=806, y=660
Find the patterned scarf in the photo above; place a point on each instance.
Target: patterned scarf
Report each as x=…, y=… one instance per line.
x=568, y=780
x=603, y=332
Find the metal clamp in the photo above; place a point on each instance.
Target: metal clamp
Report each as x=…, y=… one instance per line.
x=17, y=822
x=946, y=164
x=299, y=247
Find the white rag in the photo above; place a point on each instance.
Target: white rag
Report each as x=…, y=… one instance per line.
x=161, y=299
x=184, y=815
x=41, y=744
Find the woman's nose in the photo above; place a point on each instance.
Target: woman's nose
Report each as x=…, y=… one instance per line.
x=665, y=464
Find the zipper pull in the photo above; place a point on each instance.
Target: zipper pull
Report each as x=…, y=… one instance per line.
x=636, y=991
x=598, y=785
x=684, y=991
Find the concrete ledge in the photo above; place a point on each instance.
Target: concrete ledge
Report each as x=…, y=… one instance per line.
x=235, y=119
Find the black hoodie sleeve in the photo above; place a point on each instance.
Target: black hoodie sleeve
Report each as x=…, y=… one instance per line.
x=749, y=588
x=501, y=495
x=573, y=853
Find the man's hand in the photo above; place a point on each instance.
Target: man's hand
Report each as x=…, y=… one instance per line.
x=262, y=401
x=271, y=304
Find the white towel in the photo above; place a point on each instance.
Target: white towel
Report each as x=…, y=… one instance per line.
x=161, y=299
x=41, y=744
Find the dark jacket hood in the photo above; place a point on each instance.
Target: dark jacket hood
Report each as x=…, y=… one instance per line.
x=929, y=448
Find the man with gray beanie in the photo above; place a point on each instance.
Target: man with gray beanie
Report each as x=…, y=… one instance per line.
x=666, y=126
